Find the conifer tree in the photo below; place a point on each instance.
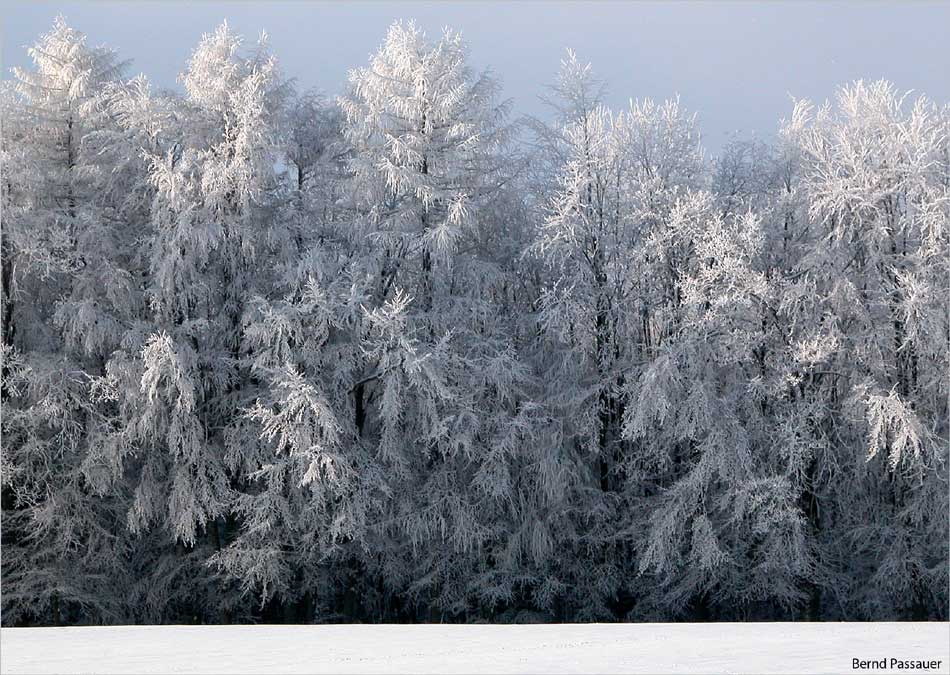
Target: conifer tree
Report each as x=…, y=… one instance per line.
x=67, y=295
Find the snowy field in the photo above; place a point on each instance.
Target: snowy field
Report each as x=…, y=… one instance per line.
x=569, y=648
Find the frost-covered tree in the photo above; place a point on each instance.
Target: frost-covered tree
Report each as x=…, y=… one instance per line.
x=301, y=340
x=179, y=382
x=572, y=98
x=725, y=527
x=67, y=296
x=426, y=135
x=615, y=254
x=619, y=240
x=869, y=345
x=431, y=179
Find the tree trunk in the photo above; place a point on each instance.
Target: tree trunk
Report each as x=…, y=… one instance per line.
x=55, y=617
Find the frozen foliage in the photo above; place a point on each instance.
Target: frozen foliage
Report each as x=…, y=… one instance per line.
x=269, y=355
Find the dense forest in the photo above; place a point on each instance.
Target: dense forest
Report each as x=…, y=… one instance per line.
x=403, y=355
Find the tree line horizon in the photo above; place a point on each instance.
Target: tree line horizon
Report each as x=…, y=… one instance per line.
x=402, y=356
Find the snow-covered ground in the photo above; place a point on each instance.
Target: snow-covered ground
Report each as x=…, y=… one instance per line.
x=568, y=648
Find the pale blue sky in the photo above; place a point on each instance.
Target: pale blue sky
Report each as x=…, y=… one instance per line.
x=734, y=63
